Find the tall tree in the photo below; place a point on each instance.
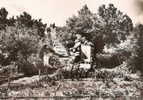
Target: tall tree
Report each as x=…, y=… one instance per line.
x=117, y=26
x=17, y=41
x=109, y=26
x=26, y=20
x=81, y=23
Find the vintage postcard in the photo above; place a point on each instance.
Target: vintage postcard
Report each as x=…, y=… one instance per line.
x=71, y=49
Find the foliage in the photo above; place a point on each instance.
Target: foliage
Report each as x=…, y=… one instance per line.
x=19, y=43
x=109, y=26
x=66, y=37
x=137, y=56
x=25, y=20
x=4, y=21
x=116, y=24
x=3, y=18
x=20, y=37
x=81, y=23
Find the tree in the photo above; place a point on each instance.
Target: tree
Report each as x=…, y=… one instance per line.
x=25, y=20
x=82, y=23
x=40, y=26
x=19, y=42
x=4, y=21
x=117, y=26
x=108, y=27
x=3, y=18
x=11, y=21
x=137, y=57
x=20, y=38
x=3, y=13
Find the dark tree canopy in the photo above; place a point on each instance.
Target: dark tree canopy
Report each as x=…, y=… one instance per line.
x=3, y=13
x=81, y=23
x=19, y=37
x=107, y=27
x=3, y=18
x=117, y=26
x=25, y=20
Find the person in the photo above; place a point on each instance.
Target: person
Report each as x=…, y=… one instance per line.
x=47, y=53
x=76, y=53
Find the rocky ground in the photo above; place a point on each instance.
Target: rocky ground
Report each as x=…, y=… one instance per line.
x=106, y=83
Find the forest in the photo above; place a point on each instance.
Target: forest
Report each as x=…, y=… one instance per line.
x=117, y=55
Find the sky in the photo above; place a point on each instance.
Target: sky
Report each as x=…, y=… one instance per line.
x=59, y=11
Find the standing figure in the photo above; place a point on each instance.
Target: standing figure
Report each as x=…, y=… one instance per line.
x=76, y=50
x=82, y=56
x=81, y=52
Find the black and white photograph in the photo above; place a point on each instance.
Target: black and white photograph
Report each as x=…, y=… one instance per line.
x=71, y=49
